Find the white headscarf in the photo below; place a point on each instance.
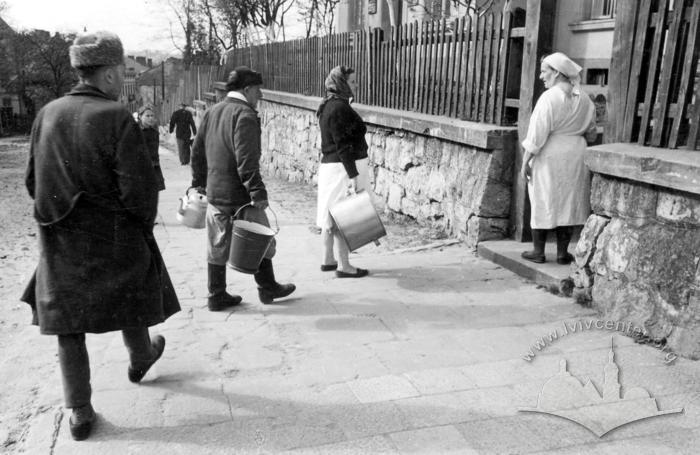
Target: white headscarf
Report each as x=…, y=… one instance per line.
x=563, y=64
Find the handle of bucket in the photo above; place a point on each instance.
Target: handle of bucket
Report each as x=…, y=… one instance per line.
x=251, y=204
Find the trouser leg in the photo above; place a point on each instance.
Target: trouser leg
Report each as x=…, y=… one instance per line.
x=138, y=345
x=75, y=369
x=265, y=276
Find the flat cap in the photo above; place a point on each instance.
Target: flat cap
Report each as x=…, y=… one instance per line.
x=101, y=48
x=241, y=77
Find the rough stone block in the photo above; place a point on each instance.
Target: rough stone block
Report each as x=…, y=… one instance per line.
x=616, y=246
x=480, y=229
x=436, y=186
x=586, y=246
x=685, y=341
x=678, y=208
x=396, y=193
x=495, y=200
x=416, y=179
x=611, y=196
x=410, y=207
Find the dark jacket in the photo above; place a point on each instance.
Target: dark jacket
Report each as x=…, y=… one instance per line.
x=226, y=155
x=182, y=119
x=152, y=138
x=342, y=135
x=95, y=200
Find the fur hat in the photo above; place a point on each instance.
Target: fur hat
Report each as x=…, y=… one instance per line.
x=100, y=48
x=242, y=77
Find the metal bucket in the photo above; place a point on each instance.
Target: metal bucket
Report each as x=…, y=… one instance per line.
x=357, y=220
x=249, y=243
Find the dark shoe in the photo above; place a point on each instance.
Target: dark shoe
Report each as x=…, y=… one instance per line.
x=136, y=374
x=328, y=267
x=81, y=421
x=267, y=295
x=533, y=256
x=359, y=273
x=222, y=301
x=564, y=260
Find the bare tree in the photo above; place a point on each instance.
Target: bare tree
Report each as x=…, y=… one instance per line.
x=265, y=14
x=318, y=16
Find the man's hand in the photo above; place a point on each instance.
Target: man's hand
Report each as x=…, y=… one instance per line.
x=262, y=205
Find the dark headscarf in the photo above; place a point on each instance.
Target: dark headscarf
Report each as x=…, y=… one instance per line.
x=337, y=86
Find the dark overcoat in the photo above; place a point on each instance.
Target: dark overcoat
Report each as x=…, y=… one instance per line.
x=95, y=200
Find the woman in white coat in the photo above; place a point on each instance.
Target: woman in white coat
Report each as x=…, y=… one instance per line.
x=558, y=180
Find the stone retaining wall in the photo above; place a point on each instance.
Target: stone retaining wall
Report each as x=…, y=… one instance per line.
x=461, y=188
x=638, y=258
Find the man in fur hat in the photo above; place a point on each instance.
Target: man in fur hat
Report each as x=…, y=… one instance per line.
x=95, y=200
x=226, y=159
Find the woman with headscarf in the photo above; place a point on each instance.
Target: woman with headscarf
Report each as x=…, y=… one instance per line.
x=343, y=169
x=149, y=128
x=558, y=180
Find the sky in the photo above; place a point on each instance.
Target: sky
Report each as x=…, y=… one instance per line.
x=141, y=24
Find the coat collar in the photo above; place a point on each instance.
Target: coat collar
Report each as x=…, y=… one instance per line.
x=239, y=100
x=90, y=90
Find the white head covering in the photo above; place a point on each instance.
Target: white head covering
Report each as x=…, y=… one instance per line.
x=560, y=62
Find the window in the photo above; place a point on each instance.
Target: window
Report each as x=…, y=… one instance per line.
x=597, y=76
x=602, y=9
x=7, y=102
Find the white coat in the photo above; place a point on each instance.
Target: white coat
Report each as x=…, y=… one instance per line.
x=559, y=189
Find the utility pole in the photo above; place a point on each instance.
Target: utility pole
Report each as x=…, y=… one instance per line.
x=162, y=80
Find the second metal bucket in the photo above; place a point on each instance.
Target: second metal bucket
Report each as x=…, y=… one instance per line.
x=249, y=243
x=357, y=220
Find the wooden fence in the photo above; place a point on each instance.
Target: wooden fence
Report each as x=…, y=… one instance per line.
x=464, y=68
x=654, y=94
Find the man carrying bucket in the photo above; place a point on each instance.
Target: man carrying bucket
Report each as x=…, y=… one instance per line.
x=226, y=159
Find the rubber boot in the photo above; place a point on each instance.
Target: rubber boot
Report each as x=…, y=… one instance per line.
x=564, y=234
x=268, y=288
x=218, y=298
x=539, y=238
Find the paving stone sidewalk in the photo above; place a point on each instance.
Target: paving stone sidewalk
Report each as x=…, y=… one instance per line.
x=423, y=356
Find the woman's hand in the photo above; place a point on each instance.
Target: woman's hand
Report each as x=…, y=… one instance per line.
x=526, y=171
x=352, y=185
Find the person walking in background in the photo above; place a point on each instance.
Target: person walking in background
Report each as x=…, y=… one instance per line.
x=183, y=124
x=226, y=160
x=558, y=180
x=149, y=127
x=343, y=169
x=95, y=198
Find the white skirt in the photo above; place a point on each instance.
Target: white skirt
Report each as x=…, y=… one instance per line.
x=333, y=185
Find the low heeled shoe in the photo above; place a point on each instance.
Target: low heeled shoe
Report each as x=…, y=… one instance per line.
x=359, y=273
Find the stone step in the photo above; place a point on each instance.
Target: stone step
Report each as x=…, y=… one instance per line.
x=506, y=253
